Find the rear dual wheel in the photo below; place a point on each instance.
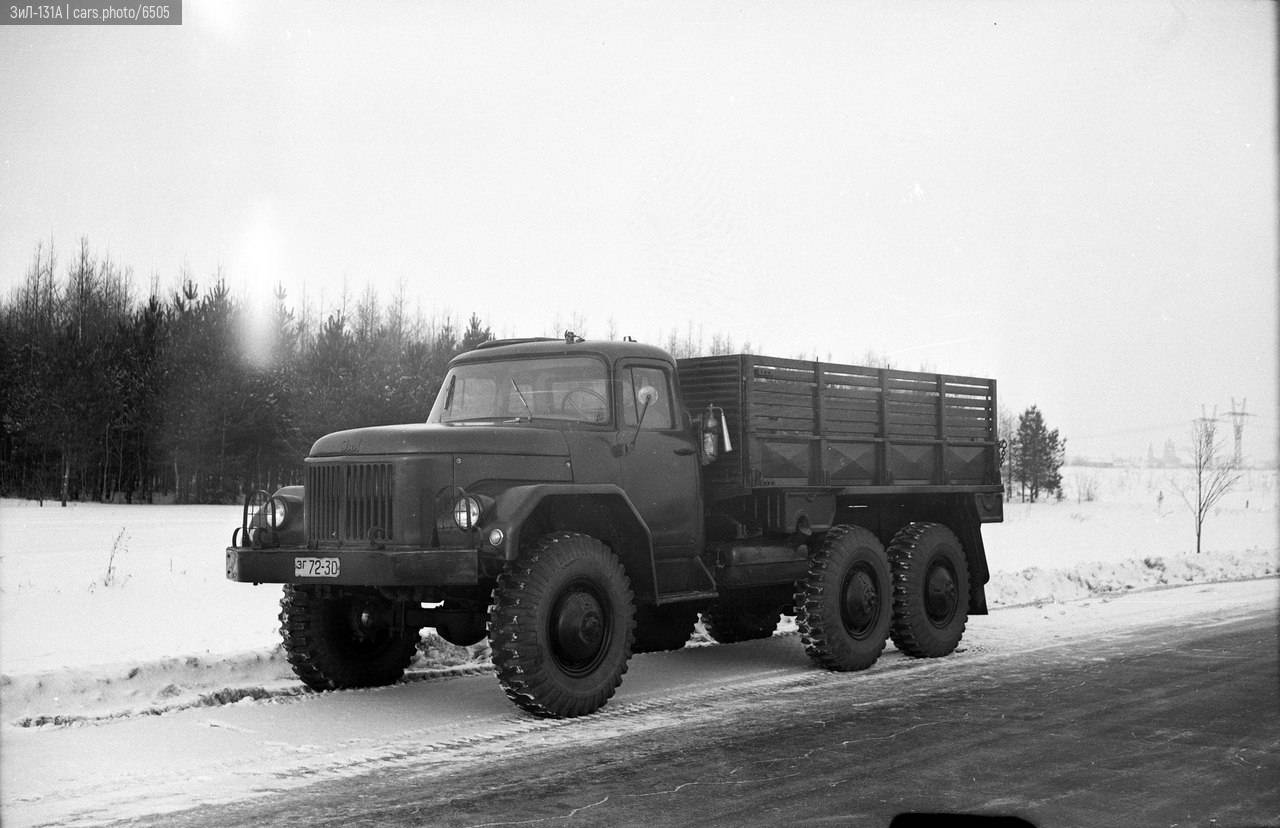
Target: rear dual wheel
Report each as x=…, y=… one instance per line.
x=930, y=590
x=855, y=594
x=843, y=603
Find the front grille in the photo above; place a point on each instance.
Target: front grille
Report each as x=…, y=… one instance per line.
x=349, y=502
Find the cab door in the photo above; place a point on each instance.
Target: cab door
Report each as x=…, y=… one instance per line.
x=658, y=460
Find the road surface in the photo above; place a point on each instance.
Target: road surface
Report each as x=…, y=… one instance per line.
x=1158, y=708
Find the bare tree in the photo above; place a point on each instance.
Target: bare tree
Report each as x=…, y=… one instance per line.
x=1086, y=487
x=722, y=344
x=690, y=346
x=1213, y=477
x=577, y=324
x=874, y=359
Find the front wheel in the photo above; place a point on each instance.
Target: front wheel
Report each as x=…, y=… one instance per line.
x=930, y=590
x=343, y=637
x=561, y=626
x=843, y=604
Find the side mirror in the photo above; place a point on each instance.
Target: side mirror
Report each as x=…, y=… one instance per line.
x=645, y=397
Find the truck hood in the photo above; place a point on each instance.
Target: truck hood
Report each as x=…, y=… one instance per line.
x=442, y=439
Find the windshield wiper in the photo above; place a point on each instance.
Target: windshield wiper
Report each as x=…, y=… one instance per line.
x=523, y=401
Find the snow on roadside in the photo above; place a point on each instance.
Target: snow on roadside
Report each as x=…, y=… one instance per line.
x=108, y=610
x=1037, y=585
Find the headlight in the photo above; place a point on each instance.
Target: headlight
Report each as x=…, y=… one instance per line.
x=271, y=514
x=466, y=512
x=277, y=512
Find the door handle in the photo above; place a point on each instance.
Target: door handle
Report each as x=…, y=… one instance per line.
x=684, y=451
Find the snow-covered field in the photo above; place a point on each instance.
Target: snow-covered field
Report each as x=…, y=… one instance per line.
x=110, y=609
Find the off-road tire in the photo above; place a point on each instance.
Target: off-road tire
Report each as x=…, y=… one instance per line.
x=328, y=646
x=663, y=628
x=561, y=626
x=734, y=619
x=930, y=590
x=844, y=604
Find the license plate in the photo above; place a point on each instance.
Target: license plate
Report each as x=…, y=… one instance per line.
x=316, y=567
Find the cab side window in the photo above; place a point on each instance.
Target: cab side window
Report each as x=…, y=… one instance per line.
x=659, y=415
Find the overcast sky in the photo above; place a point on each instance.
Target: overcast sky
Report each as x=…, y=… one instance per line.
x=1078, y=199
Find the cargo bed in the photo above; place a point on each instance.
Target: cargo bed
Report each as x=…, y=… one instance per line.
x=801, y=424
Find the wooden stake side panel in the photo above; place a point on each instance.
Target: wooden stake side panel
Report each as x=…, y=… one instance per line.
x=796, y=424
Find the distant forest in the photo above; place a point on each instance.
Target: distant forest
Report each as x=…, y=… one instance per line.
x=194, y=396
x=197, y=396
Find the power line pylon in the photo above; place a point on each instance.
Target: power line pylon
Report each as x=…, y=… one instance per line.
x=1237, y=425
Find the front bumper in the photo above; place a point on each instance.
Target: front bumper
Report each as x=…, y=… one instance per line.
x=365, y=567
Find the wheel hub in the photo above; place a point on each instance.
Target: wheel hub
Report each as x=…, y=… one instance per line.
x=369, y=623
x=578, y=629
x=861, y=605
x=941, y=597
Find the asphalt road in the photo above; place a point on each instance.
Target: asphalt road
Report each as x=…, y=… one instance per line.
x=1154, y=726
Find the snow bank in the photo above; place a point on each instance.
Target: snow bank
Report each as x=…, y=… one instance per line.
x=1036, y=585
x=108, y=610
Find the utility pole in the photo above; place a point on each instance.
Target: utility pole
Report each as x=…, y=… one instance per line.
x=1237, y=425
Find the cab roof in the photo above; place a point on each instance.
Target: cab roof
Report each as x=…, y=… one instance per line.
x=611, y=350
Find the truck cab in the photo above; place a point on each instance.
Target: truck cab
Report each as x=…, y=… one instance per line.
x=630, y=452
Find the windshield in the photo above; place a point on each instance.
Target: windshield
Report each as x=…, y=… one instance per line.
x=573, y=389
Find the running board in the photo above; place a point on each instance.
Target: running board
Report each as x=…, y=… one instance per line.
x=680, y=580
x=682, y=597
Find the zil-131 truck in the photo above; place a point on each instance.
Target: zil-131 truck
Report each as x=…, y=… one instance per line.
x=579, y=502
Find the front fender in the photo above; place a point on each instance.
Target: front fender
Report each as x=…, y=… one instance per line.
x=254, y=530
x=602, y=510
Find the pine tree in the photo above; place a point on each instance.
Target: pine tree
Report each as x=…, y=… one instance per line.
x=1038, y=454
x=475, y=335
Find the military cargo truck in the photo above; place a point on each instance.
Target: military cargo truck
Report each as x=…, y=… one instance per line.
x=578, y=502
